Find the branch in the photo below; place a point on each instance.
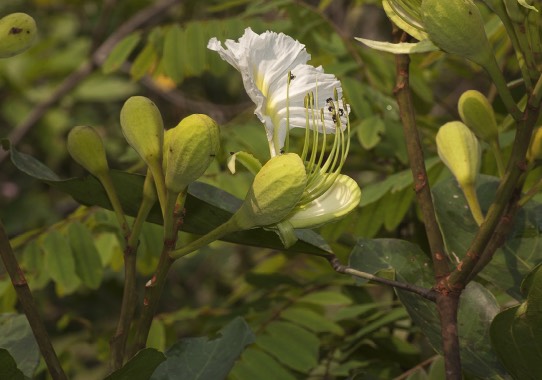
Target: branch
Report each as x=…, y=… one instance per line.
x=76, y=77
x=428, y=294
x=417, y=166
x=29, y=307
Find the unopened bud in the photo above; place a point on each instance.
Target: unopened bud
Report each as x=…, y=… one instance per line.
x=460, y=151
x=143, y=128
x=17, y=33
x=535, y=148
x=457, y=27
x=86, y=148
x=276, y=190
x=189, y=149
x=477, y=113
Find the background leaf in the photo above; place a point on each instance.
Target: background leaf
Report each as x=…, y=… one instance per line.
x=477, y=306
x=201, y=358
x=520, y=253
x=17, y=338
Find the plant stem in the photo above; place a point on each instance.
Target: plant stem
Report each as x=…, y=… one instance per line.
x=155, y=286
x=417, y=165
x=496, y=149
x=29, y=307
x=448, y=316
x=428, y=294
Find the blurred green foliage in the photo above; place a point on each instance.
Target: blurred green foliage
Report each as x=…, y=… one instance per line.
x=308, y=321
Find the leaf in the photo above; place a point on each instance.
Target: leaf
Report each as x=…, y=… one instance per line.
x=519, y=254
x=524, y=3
x=206, y=206
x=8, y=367
x=477, y=307
x=140, y=367
x=370, y=130
x=173, y=60
x=311, y=320
x=423, y=46
x=17, y=338
x=290, y=344
x=88, y=264
x=516, y=333
x=195, y=48
x=326, y=298
x=201, y=358
x=144, y=62
x=60, y=263
x=120, y=53
x=258, y=365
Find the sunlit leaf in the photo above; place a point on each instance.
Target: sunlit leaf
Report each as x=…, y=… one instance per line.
x=121, y=52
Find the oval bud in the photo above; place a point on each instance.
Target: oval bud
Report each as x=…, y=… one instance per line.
x=189, y=149
x=457, y=27
x=17, y=33
x=535, y=148
x=460, y=151
x=477, y=113
x=276, y=190
x=143, y=128
x=86, y=148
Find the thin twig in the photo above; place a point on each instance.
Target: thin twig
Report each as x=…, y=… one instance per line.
x=98, y=57
x=29, y=307
x=428, y=294
x=415, y=369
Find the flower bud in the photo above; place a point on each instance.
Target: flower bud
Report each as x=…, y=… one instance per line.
x=86, y=148
x=143, y=128
x=535, y=148
x=460, y=151
x=457, y=27
x=189, y=149
x=17, y=32
x=477, y=113
x=276, y=190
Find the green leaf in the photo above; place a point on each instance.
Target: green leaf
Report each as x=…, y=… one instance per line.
x=326, y=298
x=258, y=365
x=370, y=130
x=290, y=344
x=88, y=264
x=519, y=254
x=60, y=263
x=17, y=338
x=311, y=320
x=423, y=46
x=173, y=59
x=140, y=367
x=516, y=333
x=144, y=62
x=206, y=206
x=8, y=367
x=201, y=358
x=120, y=53
x=411, y=265
x=195, y=48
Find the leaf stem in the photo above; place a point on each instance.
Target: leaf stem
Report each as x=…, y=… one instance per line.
x=428, y=294
x=29, y=307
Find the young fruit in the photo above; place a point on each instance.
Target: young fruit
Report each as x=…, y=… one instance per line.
x=86, y=148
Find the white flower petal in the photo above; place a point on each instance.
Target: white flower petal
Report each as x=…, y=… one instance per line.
x=264, y=62
x=341, y=198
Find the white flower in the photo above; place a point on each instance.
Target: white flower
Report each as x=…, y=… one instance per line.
x=277, y=79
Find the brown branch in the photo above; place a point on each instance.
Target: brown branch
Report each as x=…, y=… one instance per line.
x=428, y=294
x=447, y=301
x=97, y=58
x=29, y=307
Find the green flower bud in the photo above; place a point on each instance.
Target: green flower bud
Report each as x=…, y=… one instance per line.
x=460, y=151
x=189, y=149
x=86, y=148
x=477, y=113
x=535, y=148
x=17, y=33
x=457, y=27
x=276, y=190
x=143, y=128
